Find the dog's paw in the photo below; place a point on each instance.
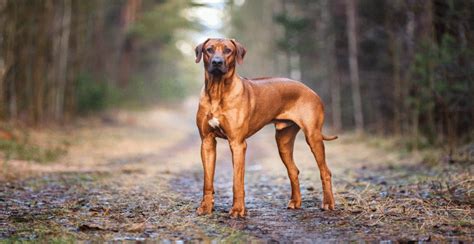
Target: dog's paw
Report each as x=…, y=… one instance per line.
x=327, y=205
x=236, y=212
x=294, y=204
x=205, y=208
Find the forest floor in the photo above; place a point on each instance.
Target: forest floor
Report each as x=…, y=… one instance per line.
x=138, y=175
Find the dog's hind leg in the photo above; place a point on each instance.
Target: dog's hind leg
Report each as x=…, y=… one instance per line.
x=311, y=125
x=314, y=138
x=285, y=138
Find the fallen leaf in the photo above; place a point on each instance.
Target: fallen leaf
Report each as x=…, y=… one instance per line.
x=137, y=227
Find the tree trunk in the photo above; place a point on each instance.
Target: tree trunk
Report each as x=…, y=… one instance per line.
x=287, y=51
x=330, y=64
x=63, y=59
x=427, y=36
x=3, y=60
x=394, y=51
x=430, y=36
x=407, y=76
x=353, y=64
x=336, y=103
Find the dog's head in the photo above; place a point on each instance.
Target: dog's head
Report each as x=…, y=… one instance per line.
x=220, y=55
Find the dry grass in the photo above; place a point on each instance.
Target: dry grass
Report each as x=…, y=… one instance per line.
x=140, y=177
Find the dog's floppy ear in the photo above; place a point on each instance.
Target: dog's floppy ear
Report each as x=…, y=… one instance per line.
x=241, y=51
x=198, y=50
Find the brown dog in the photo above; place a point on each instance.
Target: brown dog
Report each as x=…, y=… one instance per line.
x=234, y=108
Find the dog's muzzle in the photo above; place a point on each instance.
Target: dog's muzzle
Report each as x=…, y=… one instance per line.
x=217, y=70
x=217, y=66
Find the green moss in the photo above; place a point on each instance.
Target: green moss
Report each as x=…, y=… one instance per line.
x=30, y=152
x=236, y=237
x=40, y=232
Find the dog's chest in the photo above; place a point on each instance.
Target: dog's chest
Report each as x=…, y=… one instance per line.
x=214, y=114
x=214, y=123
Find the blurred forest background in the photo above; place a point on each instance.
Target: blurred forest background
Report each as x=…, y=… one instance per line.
x=98, y=140
x=398, y=67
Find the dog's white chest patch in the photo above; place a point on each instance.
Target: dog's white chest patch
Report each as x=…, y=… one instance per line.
x=214, y=123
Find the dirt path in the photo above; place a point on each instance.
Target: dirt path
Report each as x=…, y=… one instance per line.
x=140, y=177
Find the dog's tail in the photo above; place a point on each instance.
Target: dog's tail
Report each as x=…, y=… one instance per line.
x=329, y=138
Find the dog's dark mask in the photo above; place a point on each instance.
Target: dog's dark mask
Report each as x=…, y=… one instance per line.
x=217, y=70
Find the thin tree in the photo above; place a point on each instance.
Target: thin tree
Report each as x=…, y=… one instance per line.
x=329, y=53
x=63, y=48
x=353, y=64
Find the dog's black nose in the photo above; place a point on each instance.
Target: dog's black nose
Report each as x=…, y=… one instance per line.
x=217, y=61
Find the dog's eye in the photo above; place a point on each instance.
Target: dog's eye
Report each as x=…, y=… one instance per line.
x=209, y=50
x=227, y=50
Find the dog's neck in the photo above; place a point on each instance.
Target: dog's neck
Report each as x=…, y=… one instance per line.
x=216, y=86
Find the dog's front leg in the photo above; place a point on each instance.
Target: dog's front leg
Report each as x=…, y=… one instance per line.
x=208, y=155
x=238, y=148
